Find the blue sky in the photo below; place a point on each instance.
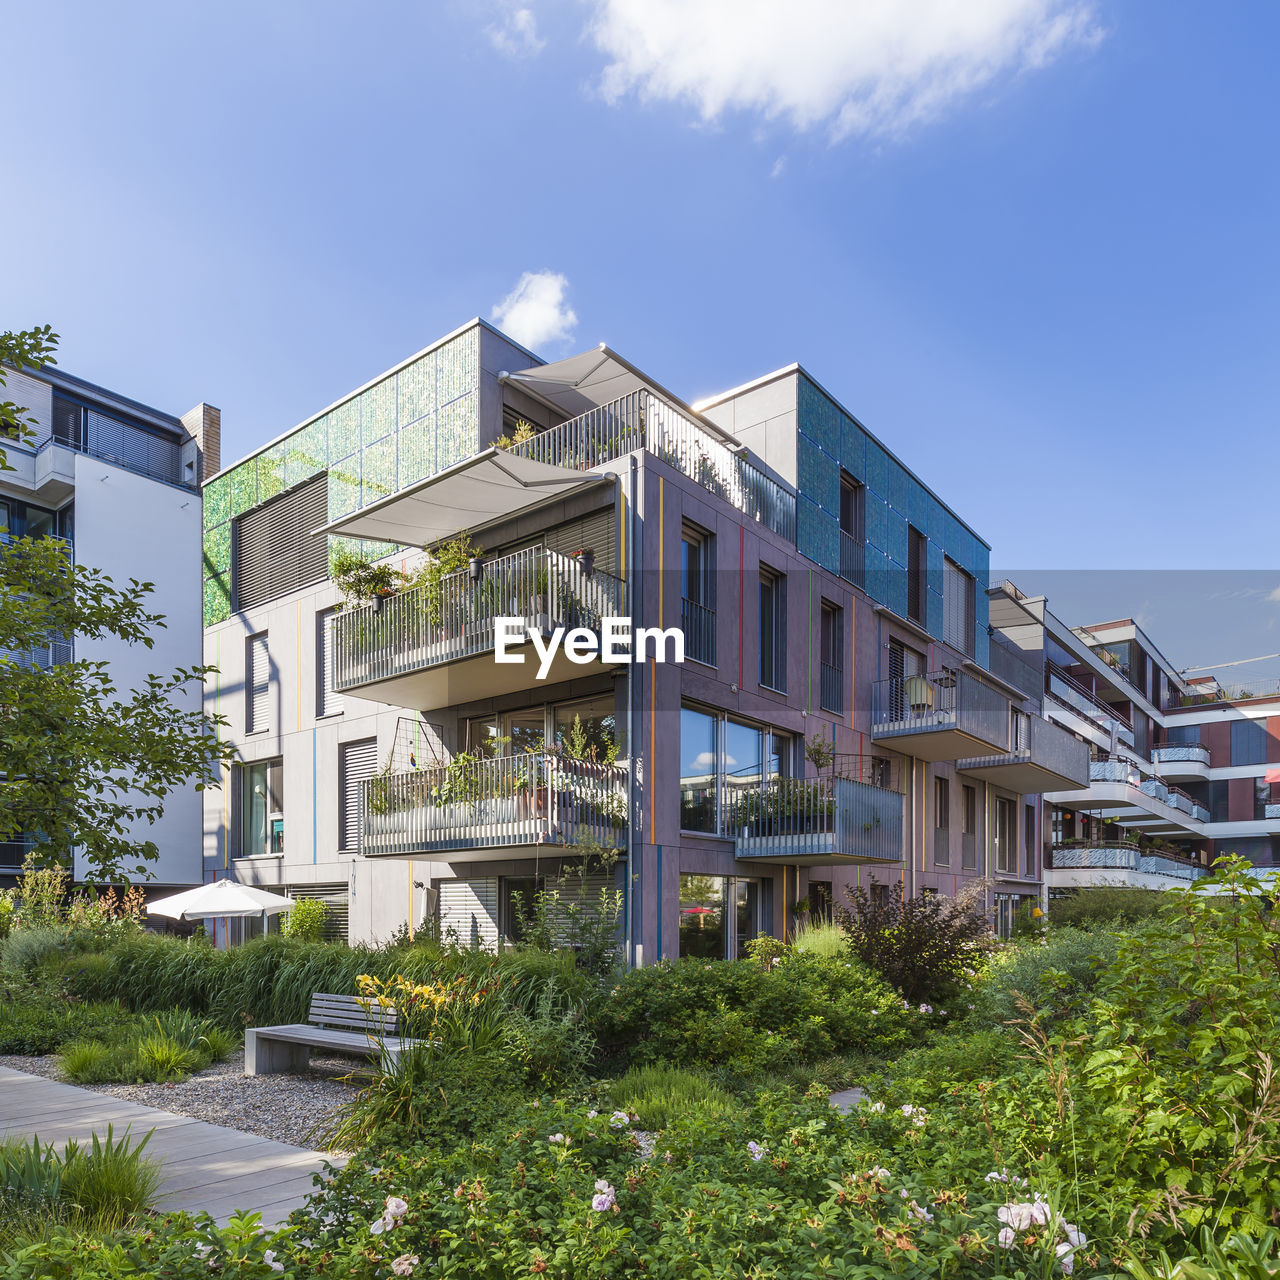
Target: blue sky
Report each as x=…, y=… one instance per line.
x=1033, y=247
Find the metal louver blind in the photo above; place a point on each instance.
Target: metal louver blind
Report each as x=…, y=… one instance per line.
x=356, y=762
x=335, y=897
x=469, y=911
x=598, y=531
x=328, y=703
x=276, y=550
x=957, y=607
x=257, y=683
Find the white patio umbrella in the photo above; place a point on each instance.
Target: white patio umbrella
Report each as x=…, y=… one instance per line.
x=221, y=898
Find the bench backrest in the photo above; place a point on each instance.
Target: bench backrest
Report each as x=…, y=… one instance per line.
x=353, y=1013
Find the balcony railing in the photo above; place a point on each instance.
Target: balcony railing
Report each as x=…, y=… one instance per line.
x=818, y=819
x=1229, y=693
x=1122, y=856
x=853, y=561
x=1043, y=756
x=538, y=798
x=427, y=625
x=1271, y=812
x=941, y=703
x=642, y=421
x=699, y=624
x=1181, y=753
x=831, y=688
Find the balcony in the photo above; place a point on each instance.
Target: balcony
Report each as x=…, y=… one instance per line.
x=432, y=646
x=818, y=821
x=1044, y=757
x=1119, y=787
x=1182, y=762
x=483, y=810
x=945, y=715
x=1082, y=864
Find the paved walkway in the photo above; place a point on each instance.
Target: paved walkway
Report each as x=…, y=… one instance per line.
x=846, y=1099
x=205, y=1166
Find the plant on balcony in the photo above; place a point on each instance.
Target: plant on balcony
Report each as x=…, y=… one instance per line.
x=361, y=582
x=520, y=433
x=819, y=751
x=443, y=562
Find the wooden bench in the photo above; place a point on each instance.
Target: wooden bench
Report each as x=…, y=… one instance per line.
x=344, y=1024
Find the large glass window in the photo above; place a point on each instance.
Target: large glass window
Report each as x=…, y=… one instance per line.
x=773, y=630
x=261, y=808
x=743, y=759
x=1183, y=735
x=698, y=771
x=697, y=590
x=596, y=726
x=1248, y=742
x=719, y=915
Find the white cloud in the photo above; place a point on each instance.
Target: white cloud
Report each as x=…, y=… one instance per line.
x=536, y=311
x=1274, y=597
x=516, y=34
x=779, y=167
x=873, y=67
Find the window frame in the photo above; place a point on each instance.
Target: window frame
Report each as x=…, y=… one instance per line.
x=773, y=656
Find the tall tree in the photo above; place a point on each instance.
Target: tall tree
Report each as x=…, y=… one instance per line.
x=84, y=765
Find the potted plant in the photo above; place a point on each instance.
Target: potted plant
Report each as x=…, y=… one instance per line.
x=361, y=582
x=586, y=557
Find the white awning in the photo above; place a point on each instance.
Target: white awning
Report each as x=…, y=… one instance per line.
x=488, y=487
x=596, y=377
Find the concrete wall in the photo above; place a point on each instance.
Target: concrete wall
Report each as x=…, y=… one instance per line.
x=132, y=527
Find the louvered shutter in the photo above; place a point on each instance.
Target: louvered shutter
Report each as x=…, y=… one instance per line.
x=469, y=911
x=356, y=762
x=336, y=898
x=598, y=531
x=275, y=548
x=328, y=703
x=957, y=607
x=257, y=684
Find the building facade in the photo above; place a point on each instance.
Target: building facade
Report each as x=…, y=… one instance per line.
x=838, y=719
x=119, y=482
x=1180, y=771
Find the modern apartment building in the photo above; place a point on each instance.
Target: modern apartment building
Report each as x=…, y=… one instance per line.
x=1180, y=770
x=119, y=482
x=839, y=719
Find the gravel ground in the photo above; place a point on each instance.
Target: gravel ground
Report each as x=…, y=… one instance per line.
x=287, y=1108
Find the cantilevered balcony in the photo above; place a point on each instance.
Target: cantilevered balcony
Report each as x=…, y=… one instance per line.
x=1182, y=761
x=1086, y=863
x=1120, y=788
x=819, y=821
x=432, y=646
x=477, y=810
x=1044, y=757
x=945, y=715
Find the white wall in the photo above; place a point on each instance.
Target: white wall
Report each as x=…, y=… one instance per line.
x=132, y=527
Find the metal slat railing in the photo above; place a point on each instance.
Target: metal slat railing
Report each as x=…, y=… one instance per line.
x=536, y=798
x=699, y=625
x=831, y=687
x=428, y=625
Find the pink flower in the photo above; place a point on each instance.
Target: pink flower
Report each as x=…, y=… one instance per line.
x=604, y=1199
x=756, y=1150
x=1005, y=1238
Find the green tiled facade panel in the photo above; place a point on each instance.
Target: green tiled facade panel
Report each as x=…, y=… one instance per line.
x=877, y=464
x=818, y=534
x=818, y=474
x=402, y=429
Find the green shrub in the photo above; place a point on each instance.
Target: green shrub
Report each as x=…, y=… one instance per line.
x=42, y=1024
x=552, y=1042
x=821, y=939
x=1105, y=907
x=29, y=948
x=305, y=921
x=94, y=1062
x=659, y=1094
x=110, y=1180
x=922, y=945
x=747, y=1019
x=1054, y=974
x=158, y=1057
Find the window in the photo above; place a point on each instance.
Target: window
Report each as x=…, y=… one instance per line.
x=1005, y=837
x=957, y=608
x=743, y=761
x=916, y=559
x=697, y=590
x=719, y=915
x=697, y=771
x=831, y=666
x=1183, y=735
x=942, y=821
x=595, y=721
x=261, y=808
x=969, y=827
x=275, y=549
x=821, y=902
x=852, y=529
x=1261, y=798
x=516, y=905
x=1248, y=742
x=1029, y=842
x=773, y=630
x=357, y=761
x=257, y=684
x=1218, y=801
x=328, y=703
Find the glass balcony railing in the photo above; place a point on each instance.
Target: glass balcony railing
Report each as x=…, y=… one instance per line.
x=431, y=625
x=642, y=421
x=537, y=798
x=818, y=819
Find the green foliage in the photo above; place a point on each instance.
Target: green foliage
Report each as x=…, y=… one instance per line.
x=658, y=1095
x=305, y=922
x=359, y=581
x=922, y=945
x=1238, y=1257
x=1055, y=974
x=41, y=892
x=159, y=1057
x=30, y=948
x=819, y=939
x=552, y=1042
x=748, y=1019
x=27, y=348
x=40, y=1023
x=1105, y=906
x=7, y=913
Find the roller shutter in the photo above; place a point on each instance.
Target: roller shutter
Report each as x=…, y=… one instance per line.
x=275, y=550
x=257, y=684
x=356, y=762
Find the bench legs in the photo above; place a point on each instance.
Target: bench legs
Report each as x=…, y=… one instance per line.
x=264, y=1056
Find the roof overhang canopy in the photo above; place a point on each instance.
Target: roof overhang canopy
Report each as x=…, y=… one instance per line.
x=597, y=377
x=478, y=491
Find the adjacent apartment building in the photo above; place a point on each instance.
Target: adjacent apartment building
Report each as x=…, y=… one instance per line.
x=846, y=714
x=1180, y=770
x=119, y=483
